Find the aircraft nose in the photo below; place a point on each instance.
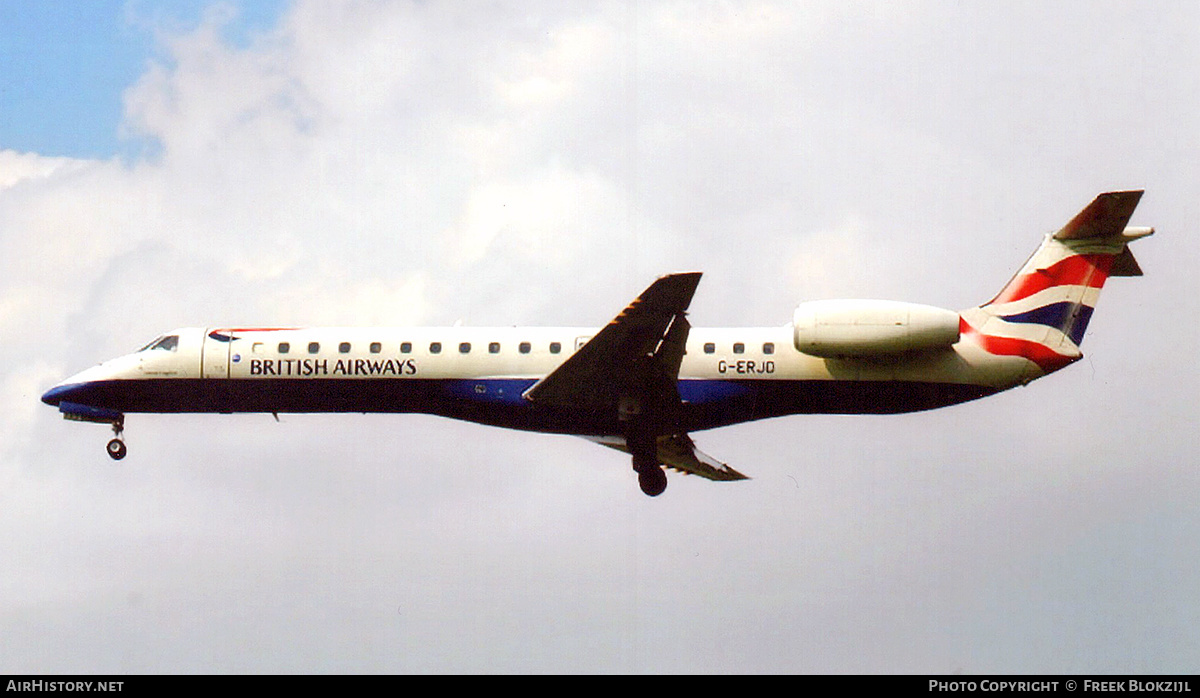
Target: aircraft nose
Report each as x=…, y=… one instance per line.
x=57, y=394
x=86, y=387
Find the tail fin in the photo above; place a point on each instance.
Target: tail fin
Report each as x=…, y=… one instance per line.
x=1044, y=310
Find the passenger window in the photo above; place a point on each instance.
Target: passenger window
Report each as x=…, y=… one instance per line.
x=435, y=348
x=709, y=348
x=344, y=348
x=769, y=348
x=494, y=348
x=405, y=347
x=376, y=347
x=314, y=347
x=555, y=347
x=524, y=347
x=739, y=348
x=284, y=347
x=464, y=348
x=256, y=348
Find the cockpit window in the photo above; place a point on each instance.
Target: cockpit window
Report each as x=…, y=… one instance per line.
x=167, y=343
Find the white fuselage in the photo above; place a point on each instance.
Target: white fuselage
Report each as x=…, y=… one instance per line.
x=727, y=375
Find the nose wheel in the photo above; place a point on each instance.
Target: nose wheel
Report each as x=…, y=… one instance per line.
x=116, y=448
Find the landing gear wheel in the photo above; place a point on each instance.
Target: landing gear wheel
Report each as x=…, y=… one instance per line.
x=116, y=449
x=643, y=446
x=653, y=481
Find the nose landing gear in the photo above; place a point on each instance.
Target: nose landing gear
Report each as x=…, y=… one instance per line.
x=116, y=448
x=98, y=415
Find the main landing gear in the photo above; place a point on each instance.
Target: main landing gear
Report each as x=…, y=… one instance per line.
x=116, y=448
x=651, y=478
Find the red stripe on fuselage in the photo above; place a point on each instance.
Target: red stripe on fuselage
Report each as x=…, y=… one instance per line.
x=1077, y=270
x=254, y=329
x=1046, y=358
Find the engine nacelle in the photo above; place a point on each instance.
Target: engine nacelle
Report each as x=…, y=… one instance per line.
x=863, y=328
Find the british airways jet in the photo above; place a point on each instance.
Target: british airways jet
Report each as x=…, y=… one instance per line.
x=645, y=381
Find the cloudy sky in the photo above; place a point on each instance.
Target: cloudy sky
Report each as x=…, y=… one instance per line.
x=316, y=162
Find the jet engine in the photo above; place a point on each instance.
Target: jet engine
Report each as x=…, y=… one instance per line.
x=864, y=328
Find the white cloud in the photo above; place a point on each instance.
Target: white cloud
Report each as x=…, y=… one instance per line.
x=402, y=163
x=19, y=393
x=18, y=167
x=548, y=220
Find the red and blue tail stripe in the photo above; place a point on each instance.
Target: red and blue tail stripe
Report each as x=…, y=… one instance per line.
x=1090, y=270
x=1044, y=311
x=1061, y=296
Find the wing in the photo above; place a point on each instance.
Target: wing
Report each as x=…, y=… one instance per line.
x=637, y=355
x=678, y=451
x=639, y=351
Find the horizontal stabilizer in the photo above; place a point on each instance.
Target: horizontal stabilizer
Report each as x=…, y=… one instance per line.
x=1106, y=216
x=1124, y=264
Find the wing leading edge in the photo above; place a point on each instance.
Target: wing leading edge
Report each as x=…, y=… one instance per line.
x=638, y=352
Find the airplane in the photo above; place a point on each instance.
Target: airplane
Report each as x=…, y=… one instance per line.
x=645, y=381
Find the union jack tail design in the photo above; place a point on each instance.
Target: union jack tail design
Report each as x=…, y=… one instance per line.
x=1044, y=311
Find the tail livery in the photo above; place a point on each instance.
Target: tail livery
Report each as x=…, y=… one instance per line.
x=1043, y=312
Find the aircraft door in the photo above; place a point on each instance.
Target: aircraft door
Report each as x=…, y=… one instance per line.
x=215, y=354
